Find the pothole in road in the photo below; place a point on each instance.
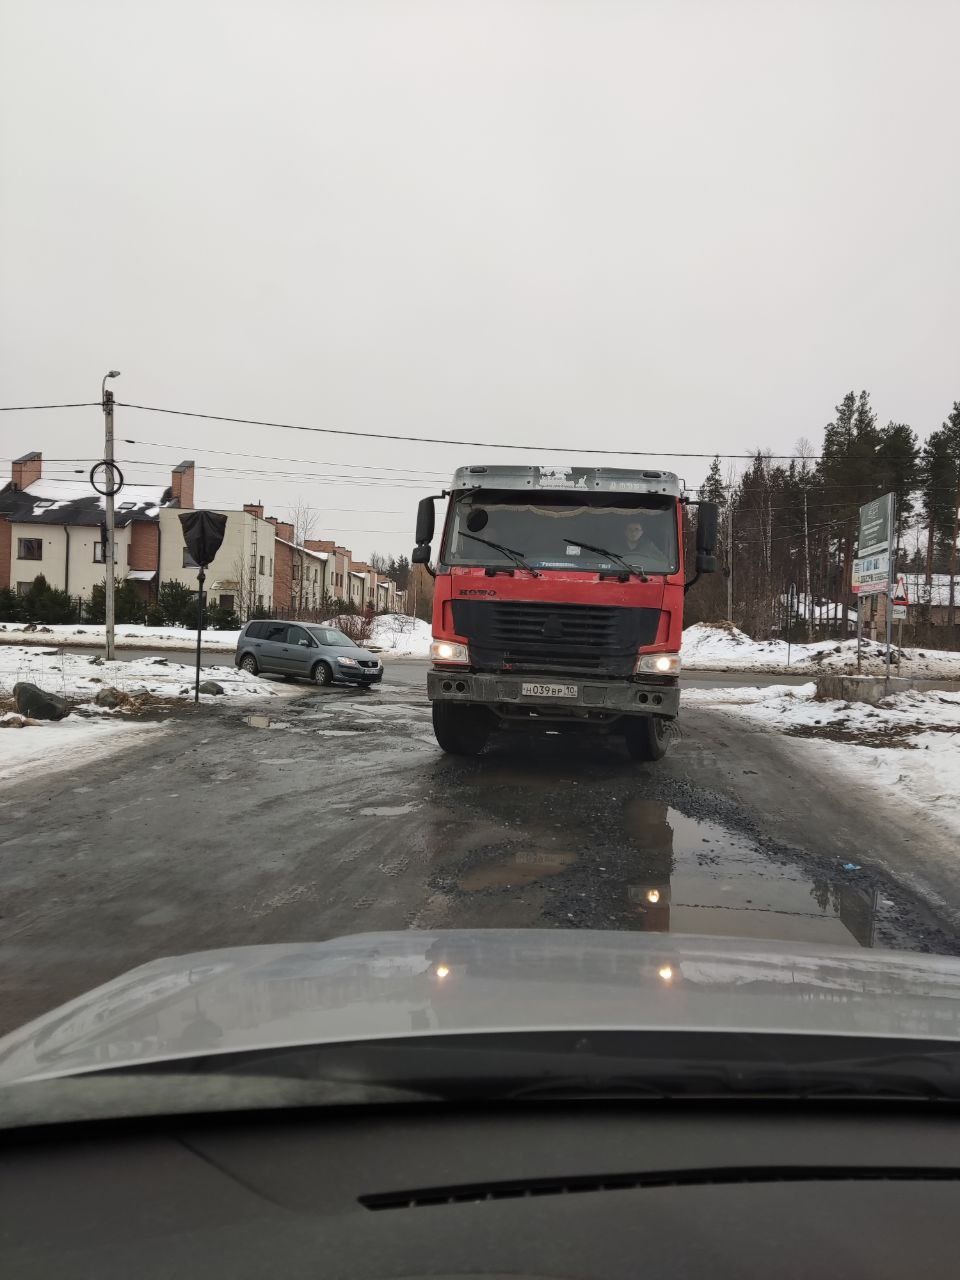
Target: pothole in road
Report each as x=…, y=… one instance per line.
x=666, y=871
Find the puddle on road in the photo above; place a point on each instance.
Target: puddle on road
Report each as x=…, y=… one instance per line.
x=523, y=868
x=670, y=872
x=698, y=877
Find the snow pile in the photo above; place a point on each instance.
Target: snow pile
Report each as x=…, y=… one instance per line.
x=723, y=647
x=129, y=635
x=399, y=634
x=76, y=676
x=909, y=745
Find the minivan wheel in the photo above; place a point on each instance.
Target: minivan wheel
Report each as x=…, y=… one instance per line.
x=321, y=674
x=461, y=730
x=248, y=663
x=647, y=737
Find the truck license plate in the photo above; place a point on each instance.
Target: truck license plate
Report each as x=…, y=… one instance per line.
x=548, y=690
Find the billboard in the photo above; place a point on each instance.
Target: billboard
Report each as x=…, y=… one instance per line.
x=876, y=527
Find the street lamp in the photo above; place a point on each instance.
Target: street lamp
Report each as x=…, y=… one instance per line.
x=106, y=399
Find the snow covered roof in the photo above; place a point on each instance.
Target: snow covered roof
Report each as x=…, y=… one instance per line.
x=75, y=502
x=317, y=555
x=141, y=575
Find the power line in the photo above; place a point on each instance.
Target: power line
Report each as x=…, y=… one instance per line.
x=22, y=408
x=471, y=444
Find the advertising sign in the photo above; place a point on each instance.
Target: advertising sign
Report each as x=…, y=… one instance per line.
x=876, y=527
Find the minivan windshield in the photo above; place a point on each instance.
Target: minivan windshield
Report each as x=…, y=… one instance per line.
x=330, y=636
x=550, y=531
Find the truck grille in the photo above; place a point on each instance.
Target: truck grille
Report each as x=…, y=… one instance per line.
x=511, y=635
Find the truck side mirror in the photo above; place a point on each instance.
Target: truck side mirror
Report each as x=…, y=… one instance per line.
x=425, y=525
x=707, y=521
x=421, y=554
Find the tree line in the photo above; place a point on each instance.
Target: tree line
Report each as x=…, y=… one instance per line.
x=793, y=524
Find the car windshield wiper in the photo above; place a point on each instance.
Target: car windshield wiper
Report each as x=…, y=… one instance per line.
x=516, y=556
x=602, y=551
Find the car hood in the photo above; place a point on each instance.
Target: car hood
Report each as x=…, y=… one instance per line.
x=384, y=985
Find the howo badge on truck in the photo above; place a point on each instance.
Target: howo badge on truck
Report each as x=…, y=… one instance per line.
x=558, y=603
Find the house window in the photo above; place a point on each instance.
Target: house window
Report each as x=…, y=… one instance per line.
x=188, y=560
x=100, y=553
x=29, y=548
x=226, y=602
x=262, y=564
x=23, y=588
x=295, y=572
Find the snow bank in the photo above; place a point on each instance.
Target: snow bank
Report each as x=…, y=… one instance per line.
x=722, y=647
x=908, y=746
x=75, y=675
x=402, y=635
x=128, y=635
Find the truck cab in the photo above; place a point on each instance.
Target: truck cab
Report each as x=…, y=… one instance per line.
x=558, y=603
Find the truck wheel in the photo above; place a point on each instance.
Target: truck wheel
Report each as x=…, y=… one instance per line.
x=460, y=730
x=646, y=737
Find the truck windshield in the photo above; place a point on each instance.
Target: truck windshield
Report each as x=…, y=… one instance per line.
x=549, y=530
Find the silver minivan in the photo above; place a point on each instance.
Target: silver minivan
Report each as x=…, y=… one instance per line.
x=321, y=654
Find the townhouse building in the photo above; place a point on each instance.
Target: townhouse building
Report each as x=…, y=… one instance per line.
x=55, y=527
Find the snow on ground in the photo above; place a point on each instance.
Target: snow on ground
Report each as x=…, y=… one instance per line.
x=721, y=647
x=66, y=744
x=129, y=635
x=401, y=635
x=908, y=746
x=75, y=675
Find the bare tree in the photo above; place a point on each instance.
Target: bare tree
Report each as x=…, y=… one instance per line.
x=303, y=517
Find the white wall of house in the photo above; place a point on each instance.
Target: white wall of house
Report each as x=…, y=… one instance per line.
x=80, y=573
x=231, y=561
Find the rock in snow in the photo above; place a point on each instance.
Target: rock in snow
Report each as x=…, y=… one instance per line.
x=39, y=705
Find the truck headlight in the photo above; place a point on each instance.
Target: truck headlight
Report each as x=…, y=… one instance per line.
x=451, y=652
x=659, y=664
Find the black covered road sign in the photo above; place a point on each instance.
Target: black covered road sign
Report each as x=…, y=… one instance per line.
x=203, y=533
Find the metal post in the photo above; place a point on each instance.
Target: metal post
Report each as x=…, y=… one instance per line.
x=201, y=578
x=899, y=644
x=891, y=566
x=730, y=555
x=108, y=559
x=859, y=628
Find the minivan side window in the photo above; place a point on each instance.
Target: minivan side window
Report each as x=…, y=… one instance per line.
x=255, y=630
x=277, y=632
x=299, y=636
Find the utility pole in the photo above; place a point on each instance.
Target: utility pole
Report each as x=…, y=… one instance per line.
x=951, y=611
x=806, y=556
x=730, y=556
x=106, y=398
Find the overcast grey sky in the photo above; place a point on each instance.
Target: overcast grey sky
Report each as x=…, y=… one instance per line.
x=643, y=225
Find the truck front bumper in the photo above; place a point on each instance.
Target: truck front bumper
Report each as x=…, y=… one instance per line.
x=598, y=700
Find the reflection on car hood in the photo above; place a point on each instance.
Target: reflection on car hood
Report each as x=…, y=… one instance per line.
x=381, y=985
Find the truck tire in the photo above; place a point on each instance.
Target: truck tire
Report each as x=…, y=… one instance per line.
x=460, y=730
x=647, y=737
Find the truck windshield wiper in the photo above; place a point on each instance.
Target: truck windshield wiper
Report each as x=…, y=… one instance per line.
x=602, y=551
x=516, y=556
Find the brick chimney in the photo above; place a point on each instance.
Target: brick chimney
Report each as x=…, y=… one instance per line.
x=27, y=470
x=181, y=482
x=318, y=544
x=284, y=531
x=254, y=509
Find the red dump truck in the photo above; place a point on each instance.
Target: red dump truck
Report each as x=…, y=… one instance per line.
x=558, y=603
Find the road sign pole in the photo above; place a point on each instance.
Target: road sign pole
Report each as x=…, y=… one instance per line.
x=859, y=627
x=891, y=567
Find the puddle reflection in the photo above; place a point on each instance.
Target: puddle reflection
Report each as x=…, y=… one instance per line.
x=697, y=877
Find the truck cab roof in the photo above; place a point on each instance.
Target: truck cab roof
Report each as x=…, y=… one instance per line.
x=588, y=479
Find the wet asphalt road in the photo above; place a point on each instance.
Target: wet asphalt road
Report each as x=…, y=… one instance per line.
x=334, y=812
